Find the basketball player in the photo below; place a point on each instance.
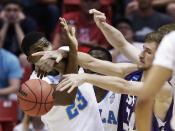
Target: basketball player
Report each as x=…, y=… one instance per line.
x=108, y=102
x=108, y=68
x=162, y=70
x=83, y=113
x=127, y=122
x=163, y=101
x=35, y=41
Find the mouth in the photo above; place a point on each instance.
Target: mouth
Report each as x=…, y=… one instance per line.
x=142, y=61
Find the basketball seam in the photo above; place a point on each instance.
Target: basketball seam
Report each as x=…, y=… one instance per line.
x=33, y=101
x=40, y=96
x=34, y=96
x=47, y=97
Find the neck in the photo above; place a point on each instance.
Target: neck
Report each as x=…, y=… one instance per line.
x=145, y=73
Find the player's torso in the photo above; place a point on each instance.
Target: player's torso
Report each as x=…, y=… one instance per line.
x=126, y=118
x=127, y=115
x=159, y=125
x=163, y=109
x=83, y=115
x=108, y=108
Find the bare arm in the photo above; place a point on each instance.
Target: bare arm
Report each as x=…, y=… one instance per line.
x=12, y=88
x=105, y=67
x=150, y=90
x=147, y=94
x=114, y=84
x=88, y=62
x=115, y=37
x=117, y=40
x=72, y=66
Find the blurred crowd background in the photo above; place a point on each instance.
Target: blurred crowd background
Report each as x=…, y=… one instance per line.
x=134, y=18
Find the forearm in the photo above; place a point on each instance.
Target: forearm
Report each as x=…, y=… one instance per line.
x=3, y=34
x=19, y=33
x=8, y=90
x=113, y=36
x=144, y=110
x=118, y=41
x=105, y=67
x=72, y=66
x=114, y=84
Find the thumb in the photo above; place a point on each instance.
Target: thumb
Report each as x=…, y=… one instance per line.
x=38, y=53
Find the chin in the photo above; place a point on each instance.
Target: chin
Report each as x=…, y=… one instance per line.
x=143, y=67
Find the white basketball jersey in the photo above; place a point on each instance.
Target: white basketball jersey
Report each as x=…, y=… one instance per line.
x=109, y=108
x=83, y=115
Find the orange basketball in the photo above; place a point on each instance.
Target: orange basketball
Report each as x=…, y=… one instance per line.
x=35, y=97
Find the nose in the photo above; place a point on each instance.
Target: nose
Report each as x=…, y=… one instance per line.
x=141, y=55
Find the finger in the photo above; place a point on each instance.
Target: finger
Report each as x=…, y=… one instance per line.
x=39, y=53
x=62, y=23
x=45, y=74
x=59, y=58
x=64, y=81
x=102, y=18
x=66, y=86
x=65, y=76
x=62, y=84
x=64, y=20
x=73, y=31
x=71, y=89
x=36, y=69
x=95, y=12
x=44, y=58
x=41, y=75
x=61, y=19
x=38, y=73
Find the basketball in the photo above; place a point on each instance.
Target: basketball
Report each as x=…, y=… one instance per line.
x=35, y=97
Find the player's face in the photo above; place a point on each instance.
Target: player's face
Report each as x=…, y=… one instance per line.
x=42, y=45
x=147, y=55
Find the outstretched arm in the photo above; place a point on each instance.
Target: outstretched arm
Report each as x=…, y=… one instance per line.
x=88, y=62
x=105, y=67
x=115, y=37
x=72, y=66
x=147, y=94
x=114, y=84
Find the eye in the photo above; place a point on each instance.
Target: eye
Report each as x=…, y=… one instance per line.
x=149, y=52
